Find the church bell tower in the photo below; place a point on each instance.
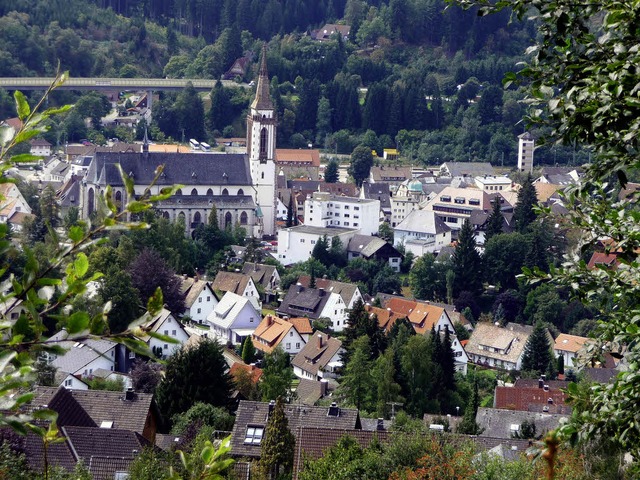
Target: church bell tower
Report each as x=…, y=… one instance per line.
x=261, y=148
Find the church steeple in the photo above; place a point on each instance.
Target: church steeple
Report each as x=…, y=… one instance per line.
x=263, y=98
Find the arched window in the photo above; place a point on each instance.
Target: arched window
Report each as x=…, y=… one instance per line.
x=179, y=191
x=225, y=192
x=194, y=192
x=243, y=218
x=181, y=218
x=240, y=192
x=197, y=218
x=263, y=141
x=210, y=192
x=228, y=220
x=165, y=214
x=91, y=202
x=119, y=201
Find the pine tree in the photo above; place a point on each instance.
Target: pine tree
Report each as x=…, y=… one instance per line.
x=356, y=383
x=248, y=351
x=537, y=351
x=523, y=213
x=468, y=424
x=387, y=389
x=290, y=212
x=447, y=362
x=467, y=263
x=495, y=221
x=276, y=452
x=331, y=172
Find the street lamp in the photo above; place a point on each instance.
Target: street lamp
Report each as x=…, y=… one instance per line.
x=457, y=411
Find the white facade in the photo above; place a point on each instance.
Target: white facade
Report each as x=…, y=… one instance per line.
x=202, y=306
x=454, y=205
x=329, y=371
x=422, y=232
x=293, y=342
x=526, y=145
x=171, y=328
x=492, y=183
x=72, y=383
x=401, y=207
x=336, y=310
x=233, y=319
x=295, y=244
x=326, y=210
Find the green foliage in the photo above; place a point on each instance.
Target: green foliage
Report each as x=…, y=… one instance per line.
x=495, y=222
x=248, y=351
x=277, y=375
x=186, y=382
x=361, y=163
x=203, y=414
x=331, y=173
x=523, y=213
x=150, y=464
x=465, y=261
x=537, y=353
x=97, y=383
x=356, y=383
x=427, y=278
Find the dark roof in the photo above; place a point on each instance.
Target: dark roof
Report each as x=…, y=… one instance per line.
x=256, y=414
x=69, y=410
x=102, y=406
x=308, y=391
x=600, y=375
x=179, y=168
x=315, y=355
x=105, y=468
x=200, y=201
x=263, y=97
x=368, y=246
x=344, y=289
x=104, y=442
x=499, y=423
x=259, y=273
x=58, y=454
x=303, y=301
x=378, y=191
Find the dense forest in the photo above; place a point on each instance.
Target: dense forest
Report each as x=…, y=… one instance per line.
x=412, y=74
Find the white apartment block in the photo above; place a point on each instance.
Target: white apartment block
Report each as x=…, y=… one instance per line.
x=327, y=210
x=493, y=183
x=526, y=145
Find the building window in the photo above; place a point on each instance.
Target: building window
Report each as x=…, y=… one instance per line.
x=298, y=345
x=355, y=224
x=166, y=332
x=445, y=198
x=346, y=207
x=132, y=355
x=208, y=299
x=356, y=208
x=459, y=200
x=288, y=346
x=173, y=332
x=253, y=435
x=302, y=240
x=166, y=347
x=199, y=310
x=200, y=300
x=291, y=334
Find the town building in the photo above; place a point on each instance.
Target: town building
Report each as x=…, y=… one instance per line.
x=319, y=359
x=422, y=231
x=274, y=332
x=315, y=304
x=526, y=146
x=233, y=319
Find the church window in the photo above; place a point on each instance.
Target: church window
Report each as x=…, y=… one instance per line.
x=194, y=192
x=197, y=218
x=240, y=192
x=243, y=218
x=225, y=192
x=263, y=141
x=210, y=192
x=228, y=220
x=91, y=204
x=179, y=191
x=119, y=201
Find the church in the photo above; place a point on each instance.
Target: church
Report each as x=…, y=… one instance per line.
x=242, y=187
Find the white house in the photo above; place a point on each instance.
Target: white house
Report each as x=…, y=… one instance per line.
x=239, y=284
x=454, y=204
x=320, y=358
x=295, y=244
x=233, y=319
x=165, y=324
x=498, y=347
x=314, y=303
x=327, y=210
x=200, y=299
x=12, y=203
x=350, y=292
x=70, y=382
x=40, y=147
x=83, y=357
x=423, y=231
x=274, y=332
x=493, y=183
x=568, y=346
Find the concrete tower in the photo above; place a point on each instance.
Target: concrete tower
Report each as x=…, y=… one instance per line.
x=526, y=144
x=261, y=149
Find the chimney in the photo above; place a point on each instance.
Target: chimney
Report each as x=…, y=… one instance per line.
x=546, y=388
x=540, y=383
x=380, y=424
x=272, y=405
x=129, y=394
x=269, y=320
x=320, y=343
x=550, y=401
x=324, y=387
x=334, y=410
x=321, y=292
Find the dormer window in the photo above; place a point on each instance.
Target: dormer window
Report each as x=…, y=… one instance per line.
x=253, y=436
x=445, y=198
x=459, y=200
x=474, y=201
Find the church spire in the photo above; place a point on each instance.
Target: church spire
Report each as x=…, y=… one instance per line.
x=263, y=97
x=145, y=141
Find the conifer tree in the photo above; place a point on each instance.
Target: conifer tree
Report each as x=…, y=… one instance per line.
x=276, y=452
x=248, y=351
x=290, y=212
x=356, y=383
x=495, y=221
x=466, y=262
x=523, y=213
x=447, y=362
x=387, y=389
x=331, y=172
x=468, y=424
x=537, y=351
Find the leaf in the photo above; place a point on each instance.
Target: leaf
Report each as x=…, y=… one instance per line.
x=6, y=134
x=81, y=265
x=155, y=303
x=76, y=233
x=77, y=322
x=128, y=181
x=22, y=106
x=136, y=206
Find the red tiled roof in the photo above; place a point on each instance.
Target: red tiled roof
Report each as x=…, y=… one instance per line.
x=603, y=258
x=256, y=373
x=530, y=399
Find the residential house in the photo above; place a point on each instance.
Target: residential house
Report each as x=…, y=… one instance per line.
x=314, y=303
x=493, y=183
x=386, y=318
x=303, y=326
x=200, y=299
x=559, y=176
x=544, y=398
x=505, y=423
x=319, y=358
x=498, y=347
x=266, y=276
x=60, y=173
x=295, y=244
x=165, y=324
x=83, y=357
x=10, y=311
x=350, y=292
x=568, y=347
x=309, y=392
x=454, y=205
x=238, y=69
x=374, y=248
x=14, y=209
x=238, y=371
x=391, y=175
x=68, y=195
x=71, y=382
x=233, y=319
x=40, y=147
x=401, y=206
x=298, y=162
x=274, y=332
x=422, y=231
x=329, y=30
x=237, y=283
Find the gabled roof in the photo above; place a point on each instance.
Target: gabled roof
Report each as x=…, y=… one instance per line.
x=80, y=353
x=256, y=414
x=303, y=301
x=424, y=317
x=377, y=191
x=192, y=288
x=467, y=169
x=386, y=318
x=99, y=405
x=252, y=370
x=513, y=337
x=401, y=306
x=260, y=273
x=179, y=168
x=423, y=221
x=365, y=245
x=500, y=423
x=569, y=343
x=231, y=282
x=390, y=174
x=317, y=353
x=271, y=331
x=88, y=442
x=302, y=325
x=309, y=157
x=228, y=309
x=345, y=290
x=532, y=399
x=603, y=258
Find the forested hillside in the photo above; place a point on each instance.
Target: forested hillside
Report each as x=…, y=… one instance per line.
x=412, y=74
